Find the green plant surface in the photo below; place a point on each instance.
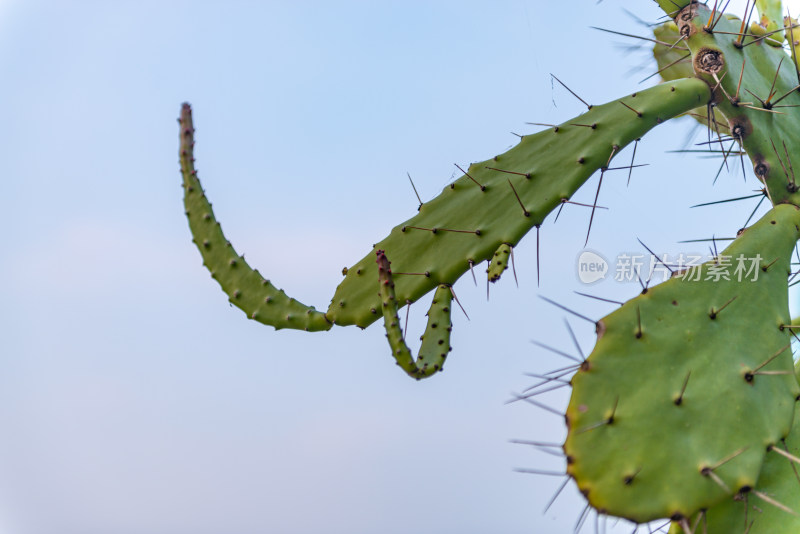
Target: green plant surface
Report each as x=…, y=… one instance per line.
x=499, y=263
x=688, y=384
x=435, y=340
x=689, y=393
x=771, y=20
x=494, y=204
x=499, y=200
x=245, y=287
x=769, y=507
x=756, y=93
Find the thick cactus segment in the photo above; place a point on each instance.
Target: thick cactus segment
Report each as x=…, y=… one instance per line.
x=499, y=263
x=747, y=512
x=246, y=288
x=757, y=94
x=435, y=340
x=498, y=201
x=689, y=383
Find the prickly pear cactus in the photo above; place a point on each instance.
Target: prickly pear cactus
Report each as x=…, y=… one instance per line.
x=685, y=408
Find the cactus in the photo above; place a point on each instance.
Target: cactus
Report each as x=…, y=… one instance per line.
x=663, y=363
x=454, y=231
x=760, y=509
x=685, y=408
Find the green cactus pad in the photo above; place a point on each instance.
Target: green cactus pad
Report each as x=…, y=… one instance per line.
x=498, y=201
x=674, y=60
x=435, y=340
x=246, y=288
x=671, y=7
x=674, y=63
x=499, y=263
x=767, y=128
x=771, y=20
x=689, y=383
x=749, y=512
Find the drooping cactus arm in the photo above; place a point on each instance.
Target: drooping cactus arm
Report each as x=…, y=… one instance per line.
x=498, y=201
x=435, y=340
x=748, y=512
x=246, y=288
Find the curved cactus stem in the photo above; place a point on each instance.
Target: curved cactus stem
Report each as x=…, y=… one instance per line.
x=435, y=340
x=498, y=201
x=245, y=287
x=793, y=41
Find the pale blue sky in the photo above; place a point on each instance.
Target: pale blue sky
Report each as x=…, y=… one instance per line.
x=133, y=399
